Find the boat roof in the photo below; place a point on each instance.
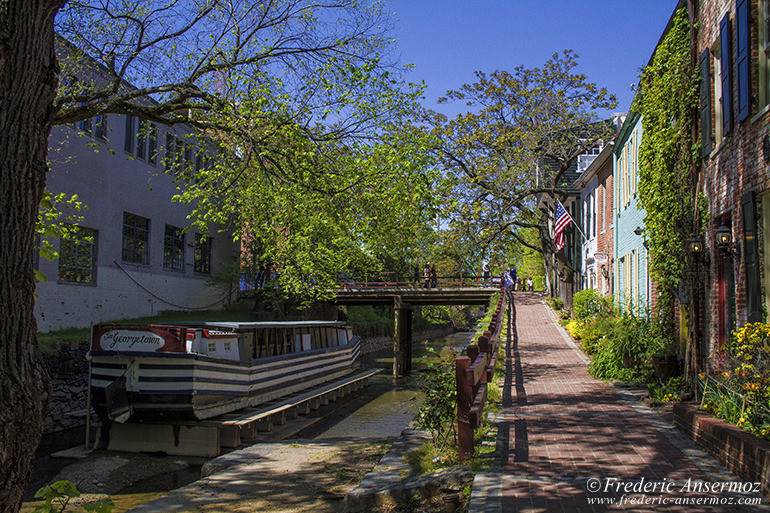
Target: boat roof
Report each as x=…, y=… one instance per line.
x=235, y=325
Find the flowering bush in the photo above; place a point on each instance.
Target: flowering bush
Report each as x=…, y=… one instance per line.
x=740, y=393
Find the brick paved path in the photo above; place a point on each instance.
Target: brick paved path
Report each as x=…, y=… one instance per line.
x=568, y=433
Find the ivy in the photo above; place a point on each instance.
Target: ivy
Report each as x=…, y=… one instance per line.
x=668, y=92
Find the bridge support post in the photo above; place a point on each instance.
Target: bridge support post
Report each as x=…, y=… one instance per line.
x=402, y=336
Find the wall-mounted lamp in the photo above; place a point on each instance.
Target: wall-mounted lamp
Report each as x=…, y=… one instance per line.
x=725, y=242
x=696, y=245
x=638, y=230
x=605, y=273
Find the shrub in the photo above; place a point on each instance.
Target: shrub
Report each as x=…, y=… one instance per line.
x=626, y=353
x=595, y=330
x=555, y=303
x=574, y=327
x=588, y=303
x=742, y=394
x=672, y=391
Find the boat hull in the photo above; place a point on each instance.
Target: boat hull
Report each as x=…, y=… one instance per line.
x=178, y=386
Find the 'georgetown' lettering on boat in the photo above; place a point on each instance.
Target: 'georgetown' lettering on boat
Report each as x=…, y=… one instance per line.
x=131, y=340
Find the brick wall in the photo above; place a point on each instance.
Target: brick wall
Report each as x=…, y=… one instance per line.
x=605, y=233
x=741, y=452
x=735, y=166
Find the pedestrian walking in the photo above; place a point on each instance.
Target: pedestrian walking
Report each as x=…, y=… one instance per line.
x=530, y=284
x=416, y=276
x=433, y=277
x=486, y=273
x=426, y=275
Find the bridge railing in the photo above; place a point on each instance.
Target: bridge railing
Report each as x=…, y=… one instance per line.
x=387, y=279
x=472, y=373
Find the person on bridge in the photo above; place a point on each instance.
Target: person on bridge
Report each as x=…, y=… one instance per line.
x=426, y=275
x=513, y=276
x=416, y=277
x=485, y=272
x=433, y=278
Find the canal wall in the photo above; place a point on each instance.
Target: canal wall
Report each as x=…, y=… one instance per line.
x=374, y=344
x=68, y=369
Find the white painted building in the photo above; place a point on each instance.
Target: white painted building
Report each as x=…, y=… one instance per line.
x=134, y=259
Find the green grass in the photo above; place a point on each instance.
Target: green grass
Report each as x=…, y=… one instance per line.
x=237, y=312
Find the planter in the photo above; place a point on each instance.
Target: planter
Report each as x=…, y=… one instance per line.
x=741, y=452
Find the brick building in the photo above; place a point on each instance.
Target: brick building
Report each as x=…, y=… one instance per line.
x=596, y=192
x=733, y=44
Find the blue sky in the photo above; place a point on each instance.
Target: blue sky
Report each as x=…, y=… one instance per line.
x=447, y=40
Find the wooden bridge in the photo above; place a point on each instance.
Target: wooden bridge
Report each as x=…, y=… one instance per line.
x=403, y=295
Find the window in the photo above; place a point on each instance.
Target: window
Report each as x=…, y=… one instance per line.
x=85, y=125
x=704, y=102
x=141, y=138
x=100, y=130
x=152, y=144
x=173, y=248
x=168, y=161
x=128, y=145
x=717, y=127
x=77, y=256
x=202, y=254
x=136, y=239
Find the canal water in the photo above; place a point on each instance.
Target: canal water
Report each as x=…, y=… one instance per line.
x=387, y=406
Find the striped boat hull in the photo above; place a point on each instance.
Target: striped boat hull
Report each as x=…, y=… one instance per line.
x=163, y=386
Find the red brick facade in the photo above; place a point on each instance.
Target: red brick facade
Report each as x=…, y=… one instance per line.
x=605, y=232
x=737, y=165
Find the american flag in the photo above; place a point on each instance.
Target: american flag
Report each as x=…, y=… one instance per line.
x=561, y=222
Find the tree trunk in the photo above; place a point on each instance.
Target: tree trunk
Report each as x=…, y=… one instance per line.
x=28, y=78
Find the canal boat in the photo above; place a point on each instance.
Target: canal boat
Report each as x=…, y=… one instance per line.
x=195, y=371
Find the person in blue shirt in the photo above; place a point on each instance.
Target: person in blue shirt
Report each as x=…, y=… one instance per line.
x=512, y=273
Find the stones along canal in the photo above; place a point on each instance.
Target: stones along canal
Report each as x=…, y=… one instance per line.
x=381, y=410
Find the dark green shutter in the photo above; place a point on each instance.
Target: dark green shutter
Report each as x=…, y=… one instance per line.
x=751, y=258
x=742, y=58
x=705, y=104
x=725, y=68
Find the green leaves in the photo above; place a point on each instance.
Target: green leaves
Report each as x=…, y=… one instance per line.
x=492, y=155
x=57, y=495
x=666, y=97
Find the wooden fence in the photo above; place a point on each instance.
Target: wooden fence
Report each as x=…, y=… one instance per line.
x=472, y=373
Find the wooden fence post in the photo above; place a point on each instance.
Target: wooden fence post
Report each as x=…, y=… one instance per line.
x=464, y=399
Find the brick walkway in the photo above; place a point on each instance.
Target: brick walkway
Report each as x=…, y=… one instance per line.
x=569, y=434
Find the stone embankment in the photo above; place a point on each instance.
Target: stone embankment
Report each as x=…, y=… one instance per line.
x=374, y=344
x=68, y=368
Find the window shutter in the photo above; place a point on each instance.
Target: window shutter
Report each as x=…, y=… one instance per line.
x=751, y=258
x=725, y=71
x=742, y=56
x=705, y=104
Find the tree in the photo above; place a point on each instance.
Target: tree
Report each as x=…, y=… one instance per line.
x=522, y=133
x=180, y=61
